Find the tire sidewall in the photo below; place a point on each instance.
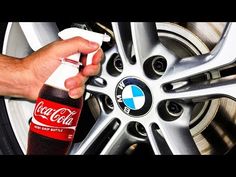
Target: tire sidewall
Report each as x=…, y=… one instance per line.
x=8, y=142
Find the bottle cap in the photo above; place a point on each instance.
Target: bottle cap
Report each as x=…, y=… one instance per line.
x=88, y=35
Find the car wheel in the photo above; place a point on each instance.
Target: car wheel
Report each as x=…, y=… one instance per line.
x=164, y=88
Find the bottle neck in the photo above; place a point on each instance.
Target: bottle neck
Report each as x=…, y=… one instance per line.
x=64, y=71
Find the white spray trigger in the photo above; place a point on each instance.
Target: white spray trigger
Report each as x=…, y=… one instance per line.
x=88, y=35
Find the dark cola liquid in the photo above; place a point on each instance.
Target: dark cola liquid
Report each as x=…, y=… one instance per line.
x=41, y=145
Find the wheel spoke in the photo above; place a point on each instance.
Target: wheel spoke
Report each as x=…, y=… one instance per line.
x=145, y=39
x=39, y=34
x=96, y=89
x=158, y=143
x=147, y=44
x=107, y=89
x=223, y=54
x=118, y=142
x=177, y=134
x=203, y=92
x=108, y=55
x=180, y=140
x=152, y=140
x=189, y=67
x=101, y=124
x=123, y=40
x=223, y=51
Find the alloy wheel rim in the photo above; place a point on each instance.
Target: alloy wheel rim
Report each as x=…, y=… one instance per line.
x=121, y=128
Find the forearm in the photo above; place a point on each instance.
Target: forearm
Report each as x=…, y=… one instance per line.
x=12, y=75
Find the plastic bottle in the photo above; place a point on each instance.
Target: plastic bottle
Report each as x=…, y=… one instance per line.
x=56, y=115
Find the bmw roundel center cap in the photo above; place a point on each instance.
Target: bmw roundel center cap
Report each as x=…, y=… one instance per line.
x=133, y=96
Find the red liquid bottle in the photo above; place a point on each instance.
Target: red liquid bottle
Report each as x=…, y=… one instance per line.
x=56, y=115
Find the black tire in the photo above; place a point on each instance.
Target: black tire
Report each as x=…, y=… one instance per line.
x=8, y=141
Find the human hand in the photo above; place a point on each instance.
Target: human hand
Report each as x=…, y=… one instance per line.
x=41, y=64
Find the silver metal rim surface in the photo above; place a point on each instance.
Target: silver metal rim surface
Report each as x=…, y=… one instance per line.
x=120, y=129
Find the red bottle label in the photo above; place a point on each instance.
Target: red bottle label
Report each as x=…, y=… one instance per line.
x=54, y=120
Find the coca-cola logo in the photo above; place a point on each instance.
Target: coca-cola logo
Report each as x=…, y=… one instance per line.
x=62, y=115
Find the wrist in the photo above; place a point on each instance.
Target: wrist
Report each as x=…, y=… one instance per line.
x=24, y=79
x=12, y=77
x=29, y=83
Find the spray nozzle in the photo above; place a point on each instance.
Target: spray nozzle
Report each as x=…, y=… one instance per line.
x=106, y=38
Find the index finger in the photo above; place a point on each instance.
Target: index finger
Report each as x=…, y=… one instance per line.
x=97, y=58
x=65, y=48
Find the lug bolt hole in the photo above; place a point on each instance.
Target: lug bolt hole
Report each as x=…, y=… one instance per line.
x=174, y=108
x=159, y=65
x=155, y=66
x=108, y=102
x=118, y=64
x=140, y=129
x=115, y=65
x=170, y=110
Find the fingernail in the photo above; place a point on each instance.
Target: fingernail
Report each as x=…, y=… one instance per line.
x=70, y=84
x=93, y=44
x=73, y=94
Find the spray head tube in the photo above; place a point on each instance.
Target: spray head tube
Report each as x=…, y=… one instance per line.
x=88, y=35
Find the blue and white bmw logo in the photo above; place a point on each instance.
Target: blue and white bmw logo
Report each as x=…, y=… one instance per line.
x=133, y=96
